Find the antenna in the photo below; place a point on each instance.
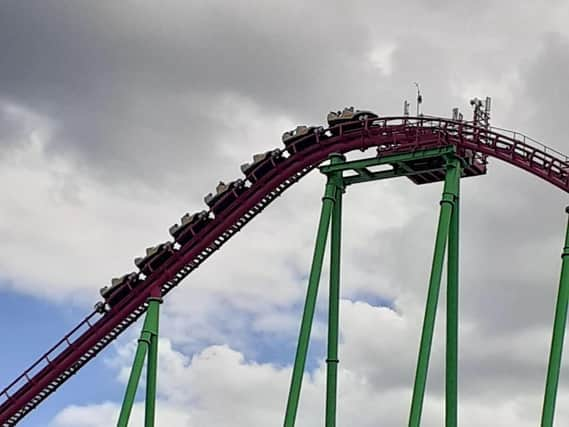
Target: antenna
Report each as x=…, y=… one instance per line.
x=419, y=98
x=481, y=111
x=477, y=104
x=457, y=115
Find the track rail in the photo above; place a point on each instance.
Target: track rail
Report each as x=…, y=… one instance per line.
x=386, y=134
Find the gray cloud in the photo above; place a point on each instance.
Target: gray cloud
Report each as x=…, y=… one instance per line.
x=127, y=93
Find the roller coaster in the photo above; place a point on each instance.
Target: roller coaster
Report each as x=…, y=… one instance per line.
x=425, y=149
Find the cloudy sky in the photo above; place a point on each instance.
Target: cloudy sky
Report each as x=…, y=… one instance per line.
x=116, y=117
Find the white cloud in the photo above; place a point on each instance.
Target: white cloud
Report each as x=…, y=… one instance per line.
x=76, y=232
x=380, y=57
x=218, y=387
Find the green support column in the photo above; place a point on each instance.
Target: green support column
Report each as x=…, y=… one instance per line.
x=311, y=294
x=334, y=311
x=149, y=332
x=132, y=385
x=152, y=368
x=451, y=376
x=560, y=321
x=449, y=194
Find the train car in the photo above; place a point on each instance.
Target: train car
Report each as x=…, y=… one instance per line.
x=347, y=116
x=225, y=194
x=120, y=287
x=262, y=164
x=155, y=257
x=190, y=225
x=301, y=138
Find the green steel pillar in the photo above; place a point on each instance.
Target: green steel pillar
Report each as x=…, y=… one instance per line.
x=147, y=343
x=152, y=368
x=451, y=376
x=311, y=294
x=333, y=311
x=450, y=193
x=132, y=385
x=559, y=324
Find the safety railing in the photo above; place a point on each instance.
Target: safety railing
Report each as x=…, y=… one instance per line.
x=518, y=136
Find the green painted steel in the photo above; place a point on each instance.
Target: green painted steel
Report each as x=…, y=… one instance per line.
x=451, y=387
x=447, y=234
x=396, y=161
x=557, y=338
x=334, y=310
x=151, y=377
x=149, y=333
x=133, y=380
x=151, y=372
x=449, y=194
x=387, y=159
x=311, y=295
x=395, y=173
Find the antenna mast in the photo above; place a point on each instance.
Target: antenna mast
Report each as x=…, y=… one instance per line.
x=481, y=111
x=419, y=98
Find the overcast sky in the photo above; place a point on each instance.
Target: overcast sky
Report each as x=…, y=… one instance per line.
x=116, y=117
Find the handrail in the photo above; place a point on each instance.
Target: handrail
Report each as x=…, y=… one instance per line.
x=525, y=139
x=45, y=356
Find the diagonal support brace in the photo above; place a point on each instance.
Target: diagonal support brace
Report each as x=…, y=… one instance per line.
x=334, y=311
x=559, y=324
x=328, y=202
x=451, y=374
x=450, y=194
x=147, y=343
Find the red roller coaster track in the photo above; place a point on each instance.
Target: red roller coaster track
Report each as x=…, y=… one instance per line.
x=386, y=134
